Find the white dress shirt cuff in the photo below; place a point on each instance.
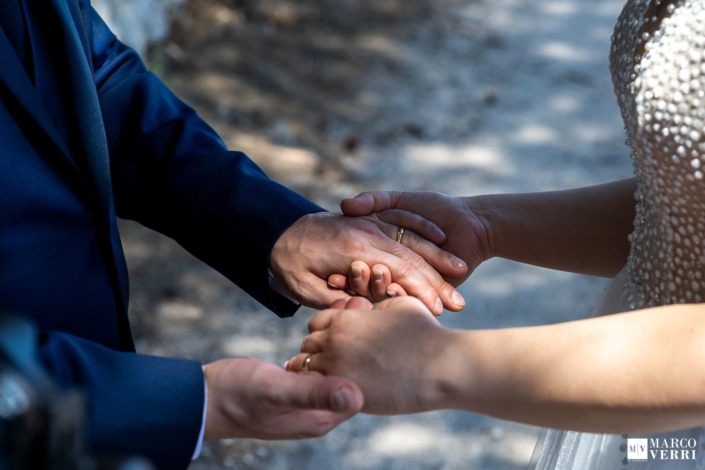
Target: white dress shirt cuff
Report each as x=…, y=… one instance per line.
x=199, y=444
x=274, y=285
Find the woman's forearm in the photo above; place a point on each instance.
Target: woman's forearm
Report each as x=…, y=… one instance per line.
x=634, y=372
x=581, y=230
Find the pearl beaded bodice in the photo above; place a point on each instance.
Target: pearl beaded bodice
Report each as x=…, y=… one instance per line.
x=657, y=62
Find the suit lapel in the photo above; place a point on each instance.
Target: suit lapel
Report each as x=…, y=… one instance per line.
x=89, y=131
x=15, y=79
x=92, y=147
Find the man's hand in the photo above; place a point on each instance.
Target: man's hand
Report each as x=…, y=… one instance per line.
x=396, y=353
x=256, y=399
x=469, y=234
x=322, y=244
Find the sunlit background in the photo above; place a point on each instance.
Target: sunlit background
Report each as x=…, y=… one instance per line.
x=334, y=97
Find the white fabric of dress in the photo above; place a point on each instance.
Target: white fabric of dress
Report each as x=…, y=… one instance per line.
x=657, y=61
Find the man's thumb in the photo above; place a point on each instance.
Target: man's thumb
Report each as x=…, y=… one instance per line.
x=326, y=393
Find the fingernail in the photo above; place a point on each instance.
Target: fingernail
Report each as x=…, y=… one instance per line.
x=333, y=286
x=391, y=293
x=345, y=399
x=357, y=272
x=457, y=299
x=439, y=307
x=286, y=364
x=378, y=274
x=457, y=263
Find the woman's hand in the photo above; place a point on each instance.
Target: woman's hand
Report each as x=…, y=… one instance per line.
x=376, y=284
x=582, y=230
x=395, y=352
x=469, y=234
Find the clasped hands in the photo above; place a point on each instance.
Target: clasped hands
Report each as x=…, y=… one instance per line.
x=356, y=350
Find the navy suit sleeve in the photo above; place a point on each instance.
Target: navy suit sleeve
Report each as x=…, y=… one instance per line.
x=173, y=173
x=161, y=416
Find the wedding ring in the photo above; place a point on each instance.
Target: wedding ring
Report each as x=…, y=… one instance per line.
x=400, y=233
x=307, y=361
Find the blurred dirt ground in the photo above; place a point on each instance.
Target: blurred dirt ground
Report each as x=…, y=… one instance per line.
x=336, y=97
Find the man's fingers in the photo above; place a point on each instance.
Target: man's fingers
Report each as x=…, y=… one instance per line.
x=442, y=261
x=414, y=222
x=413, y=281
x=405, y=277
x=368, y=202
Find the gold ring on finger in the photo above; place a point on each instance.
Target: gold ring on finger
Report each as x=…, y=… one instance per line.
x=307, y=361
x=400, y=234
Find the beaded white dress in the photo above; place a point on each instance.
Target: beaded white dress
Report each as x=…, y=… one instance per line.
x=657, y=61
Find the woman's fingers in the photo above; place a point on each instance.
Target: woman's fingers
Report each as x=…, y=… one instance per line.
x=375, y=283
x=322, y=320
x=339, y=304
x=359, y=303
x=312, y=343
x=338, y=281
x=296, y=363
x=395, y=290
x=359, y=279
x=381, y=278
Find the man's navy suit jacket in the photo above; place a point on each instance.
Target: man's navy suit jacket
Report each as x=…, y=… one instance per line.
x=89, y=135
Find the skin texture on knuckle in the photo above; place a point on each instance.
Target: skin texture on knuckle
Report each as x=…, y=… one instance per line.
x=404, y=271
x=353, y=247
x=407, y=253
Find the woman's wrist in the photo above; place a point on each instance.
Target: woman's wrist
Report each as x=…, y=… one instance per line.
x=475, y=372
x=455, y=371
x=482, y=212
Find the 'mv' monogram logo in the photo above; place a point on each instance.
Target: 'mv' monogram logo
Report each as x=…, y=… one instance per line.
x=637, y=449
x=661, y=449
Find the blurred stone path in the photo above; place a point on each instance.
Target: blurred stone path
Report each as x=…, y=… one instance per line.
x=334, y=98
